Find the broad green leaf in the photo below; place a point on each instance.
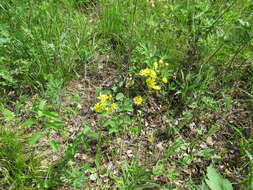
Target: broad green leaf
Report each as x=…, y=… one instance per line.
x=36, y=136
x=203, y=186
x=215, y=181
x=127, y=106
x=119, y=96
x=54, y=146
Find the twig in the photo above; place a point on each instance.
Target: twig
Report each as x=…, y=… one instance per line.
x=249, y=94
x=239, y=49
x=213, y=54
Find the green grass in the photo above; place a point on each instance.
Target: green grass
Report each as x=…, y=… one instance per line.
x=20, y=169
x=41, y=42
x=202, y=116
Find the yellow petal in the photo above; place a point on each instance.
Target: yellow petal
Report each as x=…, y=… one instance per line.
x=165, y=80
x=138, y=100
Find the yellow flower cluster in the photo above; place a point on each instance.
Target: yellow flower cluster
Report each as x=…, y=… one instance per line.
x=104, y=97
x=148, y=72
x=152, y=75
x=151, y=80
x=138, y=100
x=104, y=104
x=152, y=84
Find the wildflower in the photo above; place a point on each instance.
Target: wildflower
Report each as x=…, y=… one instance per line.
x=156, y=87
x=148, y=72
x=144, y=72
x=104, y=98
x=165, y=80
x=152, y=74
x=138, y=100
x=113, y=106
x=152, y=84
x=161, y=61
x=99, y=107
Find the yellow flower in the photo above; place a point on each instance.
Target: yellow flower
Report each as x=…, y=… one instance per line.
x=152, y=84
x=145, y=72
x=152, y=74
x=165, y=80
x=104, y=97
x=99, y=107
x=113, y=106
x=156, y=87
x=138, y=100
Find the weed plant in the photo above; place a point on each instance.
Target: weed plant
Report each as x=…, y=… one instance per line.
x=192, y=59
